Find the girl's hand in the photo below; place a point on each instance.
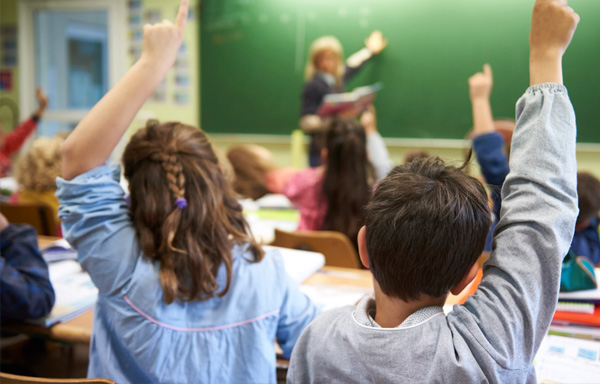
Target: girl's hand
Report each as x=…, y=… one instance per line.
x=368, y=120
x=98, y=133
x=375, y=42
x=162, y=41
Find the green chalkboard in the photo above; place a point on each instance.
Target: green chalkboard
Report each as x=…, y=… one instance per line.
x=253, y=54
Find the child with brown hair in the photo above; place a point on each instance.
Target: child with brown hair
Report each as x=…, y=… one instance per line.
x=332, y=197
x=426, y=227
x=489, y=137
x=185, y=293
x=250, y=163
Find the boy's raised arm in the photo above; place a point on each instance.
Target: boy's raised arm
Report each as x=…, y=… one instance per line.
x=95, y=137
x=510, y=313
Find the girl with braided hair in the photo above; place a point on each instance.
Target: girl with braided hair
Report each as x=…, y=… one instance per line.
x=185, y=293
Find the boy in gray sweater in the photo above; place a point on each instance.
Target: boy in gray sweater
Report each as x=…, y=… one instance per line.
x=426, y=226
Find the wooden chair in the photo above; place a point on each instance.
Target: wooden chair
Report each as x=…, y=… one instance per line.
x=39, y=216
x=7, y=378
x=335, y=246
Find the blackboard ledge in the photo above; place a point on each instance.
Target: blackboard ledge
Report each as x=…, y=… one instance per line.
x=392, y=142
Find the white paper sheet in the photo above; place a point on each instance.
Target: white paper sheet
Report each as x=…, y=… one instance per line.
x=568, y=360
x=300, y=265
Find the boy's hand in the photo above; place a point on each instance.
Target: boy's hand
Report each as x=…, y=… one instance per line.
x=552, y=26
x=162, y=41
x=480, y=84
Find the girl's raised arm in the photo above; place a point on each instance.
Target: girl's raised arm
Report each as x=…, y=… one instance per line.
x=95, y=137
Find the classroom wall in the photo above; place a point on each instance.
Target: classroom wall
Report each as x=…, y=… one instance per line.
x=8, y=18
x=188, y=113
x=588, y=157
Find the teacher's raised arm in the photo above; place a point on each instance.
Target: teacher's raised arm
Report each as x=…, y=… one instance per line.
x=326, y=72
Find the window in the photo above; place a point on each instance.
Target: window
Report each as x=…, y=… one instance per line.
x=75, y=51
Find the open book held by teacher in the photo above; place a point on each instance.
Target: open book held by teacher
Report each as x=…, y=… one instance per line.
x=359, y=98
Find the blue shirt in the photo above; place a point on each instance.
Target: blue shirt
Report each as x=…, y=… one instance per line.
x=137, y=338
x=586, y=242
x=25, y=285
x=494, y=168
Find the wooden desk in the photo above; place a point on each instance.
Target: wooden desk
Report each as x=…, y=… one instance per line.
x=79, y=329
x=45, y=240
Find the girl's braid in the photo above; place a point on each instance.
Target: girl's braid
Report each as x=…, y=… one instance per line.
x=174, y=172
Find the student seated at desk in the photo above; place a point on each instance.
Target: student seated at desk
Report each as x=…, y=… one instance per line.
x=25, y=284
x=250, y=163
x=332, y=197
x=426, y=227
x=185, y=294
x=36, y=172
x=586, y=241
x=488, y=142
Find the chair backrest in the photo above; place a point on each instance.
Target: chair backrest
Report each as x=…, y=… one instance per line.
x=7, y=378
x=39, y=216
x=335, y=246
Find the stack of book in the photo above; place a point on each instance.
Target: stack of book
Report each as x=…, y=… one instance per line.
x=578, y=314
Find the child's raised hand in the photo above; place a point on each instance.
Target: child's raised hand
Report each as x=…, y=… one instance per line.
x=480, y=84
x=368, y=120
x=552, y=26
x=41, y=97
x=162, y=41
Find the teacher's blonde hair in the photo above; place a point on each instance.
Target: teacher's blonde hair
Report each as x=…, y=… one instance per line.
x=322, y=44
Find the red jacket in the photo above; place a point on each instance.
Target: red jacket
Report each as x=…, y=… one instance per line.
x=13, y=142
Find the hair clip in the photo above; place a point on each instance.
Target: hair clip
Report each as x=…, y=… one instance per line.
x=181, y=203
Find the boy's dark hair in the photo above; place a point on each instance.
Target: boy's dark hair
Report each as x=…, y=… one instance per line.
x=588, y=190
x=426, y=225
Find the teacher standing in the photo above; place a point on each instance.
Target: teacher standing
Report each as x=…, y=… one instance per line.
x=325, y=73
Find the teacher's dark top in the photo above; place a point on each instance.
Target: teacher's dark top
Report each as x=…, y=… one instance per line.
x=312, y=96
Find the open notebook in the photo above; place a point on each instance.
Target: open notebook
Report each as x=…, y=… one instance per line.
x=75, y=292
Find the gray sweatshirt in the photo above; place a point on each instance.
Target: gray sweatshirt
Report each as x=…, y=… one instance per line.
x=494, y=336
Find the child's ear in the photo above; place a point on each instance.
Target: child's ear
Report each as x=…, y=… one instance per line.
x=469, y=277
x=362, y=246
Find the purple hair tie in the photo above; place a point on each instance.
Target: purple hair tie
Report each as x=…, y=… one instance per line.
x=181, y=203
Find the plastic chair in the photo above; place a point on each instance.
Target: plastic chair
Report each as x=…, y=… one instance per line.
x=335, y=246
x=39, y=216
x=7, y=378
